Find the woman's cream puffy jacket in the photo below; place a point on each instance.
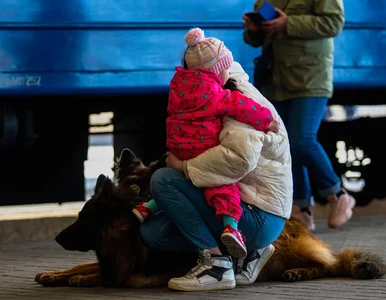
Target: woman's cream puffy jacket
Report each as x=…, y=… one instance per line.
x=260, y=162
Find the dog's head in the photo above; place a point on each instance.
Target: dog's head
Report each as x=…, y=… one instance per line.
x=97, y=216
x=106, y=224
x=108, y=212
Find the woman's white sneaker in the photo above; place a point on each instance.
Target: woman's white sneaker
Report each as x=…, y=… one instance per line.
x=213, y=272
x=248, y=269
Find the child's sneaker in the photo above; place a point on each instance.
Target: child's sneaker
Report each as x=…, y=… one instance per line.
x=234, y=241
x=142, y=212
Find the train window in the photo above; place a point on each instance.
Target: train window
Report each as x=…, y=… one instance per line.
x=100, y=154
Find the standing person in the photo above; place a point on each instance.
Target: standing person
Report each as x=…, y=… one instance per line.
x=197, y=104
x=300, y=85
x=261, y=163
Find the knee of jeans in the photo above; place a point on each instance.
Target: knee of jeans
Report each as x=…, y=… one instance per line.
x=268, y=235
x=299, y=147
x=157, y=179
x=161, y=179
x=156, y=238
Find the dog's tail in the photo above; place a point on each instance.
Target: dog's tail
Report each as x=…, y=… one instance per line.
x=312, y=258
x=314, y=250
x=356, y=263
x=307, y=247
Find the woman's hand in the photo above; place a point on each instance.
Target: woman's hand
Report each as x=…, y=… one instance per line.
x=249, y=24
x=276, y=25
x=174, y=162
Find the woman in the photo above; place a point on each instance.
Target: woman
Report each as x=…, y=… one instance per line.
x=261, y=163
x=197, y=104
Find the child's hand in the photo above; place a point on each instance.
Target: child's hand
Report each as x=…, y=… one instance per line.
x=274, y=126
x=174, y=162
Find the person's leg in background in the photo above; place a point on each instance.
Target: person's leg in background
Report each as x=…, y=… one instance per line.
x=303, y=117
x=302, y=194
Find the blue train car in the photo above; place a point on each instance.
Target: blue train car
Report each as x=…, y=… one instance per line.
x=62, y=60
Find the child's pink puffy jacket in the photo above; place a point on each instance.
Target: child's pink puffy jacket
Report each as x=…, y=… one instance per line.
x=197, y=103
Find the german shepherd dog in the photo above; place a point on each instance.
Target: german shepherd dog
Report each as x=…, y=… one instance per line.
x=106, y=225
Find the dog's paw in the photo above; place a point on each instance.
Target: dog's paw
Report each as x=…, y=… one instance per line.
x=291, y=275
x=49, y=279
x=75, y=281
x=38, y=275
x=46, y=279
x=43, y=277
x=80, y=281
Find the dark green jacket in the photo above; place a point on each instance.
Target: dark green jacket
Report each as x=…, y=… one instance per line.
x=304, y=54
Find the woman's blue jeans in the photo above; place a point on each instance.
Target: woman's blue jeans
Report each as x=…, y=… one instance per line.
x=302, y=118
x=186, y=222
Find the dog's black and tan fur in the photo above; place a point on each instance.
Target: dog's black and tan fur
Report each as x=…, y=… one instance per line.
x=107, y=226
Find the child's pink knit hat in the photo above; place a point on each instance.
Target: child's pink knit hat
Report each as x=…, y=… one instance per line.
x=206, y=53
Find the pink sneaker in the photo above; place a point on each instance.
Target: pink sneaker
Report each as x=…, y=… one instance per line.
x=142, y=212
x=234, y=241
x=341, y=209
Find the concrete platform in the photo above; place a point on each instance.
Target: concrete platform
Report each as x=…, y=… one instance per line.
x=21, y=260
x=44, y=221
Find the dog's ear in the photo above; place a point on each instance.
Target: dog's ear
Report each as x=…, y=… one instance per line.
x=158, y=164
x=100, y=181
x=126, y=158
x=106, y=191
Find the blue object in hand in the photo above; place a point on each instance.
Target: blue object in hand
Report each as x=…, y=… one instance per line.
x=265, y=13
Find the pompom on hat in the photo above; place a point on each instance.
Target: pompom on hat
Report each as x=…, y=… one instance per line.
x=206, y=53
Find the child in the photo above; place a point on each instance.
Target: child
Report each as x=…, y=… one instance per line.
x=197, y=103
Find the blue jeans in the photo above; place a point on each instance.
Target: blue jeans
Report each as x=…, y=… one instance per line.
x=187, y=223
x=302, y=118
